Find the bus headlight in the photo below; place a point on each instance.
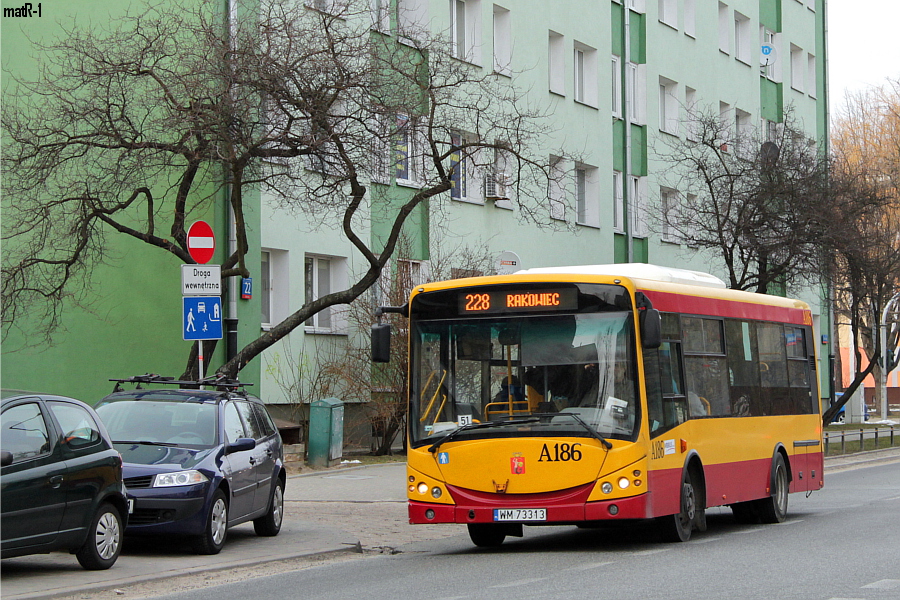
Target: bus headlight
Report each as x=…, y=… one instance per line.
x=606, y=487
x=623, y=482
x=436, y=492
x=423, y=488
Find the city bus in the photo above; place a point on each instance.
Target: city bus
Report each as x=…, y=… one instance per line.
x=583, y=395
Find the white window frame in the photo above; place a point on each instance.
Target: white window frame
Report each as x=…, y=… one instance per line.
x=798, y=68
x=636, y=101
x=502, y=28
x=618, y=196
x=587, y=195
x=585, y=83
x=556, y=63
x=638, y=206
x=690, y=18
x=726, y=118
x=466, y=185
x=557, y=189
x=669, y=201
x=691, y=116
x=616, y=86
x=412, y=19
x=497, y=182
x=668, y=13
x=382, y=169
x=332, y=319
x=273, y=287
x=742, y=38
x=380, y=11
x=668, y=105
x=465, y=30
x=408, y=133
x=742, y=132
x=724, y=29
x=332, y=7
x=811, y=75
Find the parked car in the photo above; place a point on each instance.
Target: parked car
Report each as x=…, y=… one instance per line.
x=61, y=480
x=197, y=461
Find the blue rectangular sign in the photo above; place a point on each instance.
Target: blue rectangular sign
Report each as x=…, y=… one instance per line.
x=202, y=319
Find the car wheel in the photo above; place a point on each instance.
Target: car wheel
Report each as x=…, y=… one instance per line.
x=774, y=508
x=104, y=540
x=270, y=523
x=213, y=538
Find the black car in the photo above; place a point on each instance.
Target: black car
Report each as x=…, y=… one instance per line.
x=197, y=461
x=61, y=480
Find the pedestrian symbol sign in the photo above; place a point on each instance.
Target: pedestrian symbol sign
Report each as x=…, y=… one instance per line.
x=202, y=319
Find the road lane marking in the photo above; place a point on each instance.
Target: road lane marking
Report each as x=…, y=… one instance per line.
x=590, y=566
x=519, y=583
x=884, y=584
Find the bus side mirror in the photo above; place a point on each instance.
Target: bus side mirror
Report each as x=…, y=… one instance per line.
x=381, y=343
x=651, y=328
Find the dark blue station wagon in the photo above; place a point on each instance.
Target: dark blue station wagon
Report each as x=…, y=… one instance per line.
x=197, y=462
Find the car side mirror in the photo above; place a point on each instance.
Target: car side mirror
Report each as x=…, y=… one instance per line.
x=651, y=328
x=6, y=458
x=240, y=445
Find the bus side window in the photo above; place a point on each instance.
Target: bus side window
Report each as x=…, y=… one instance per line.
x=666, y=403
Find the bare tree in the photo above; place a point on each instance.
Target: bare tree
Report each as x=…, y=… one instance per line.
x=178, y=106
x=864, y=264
x=752, y=197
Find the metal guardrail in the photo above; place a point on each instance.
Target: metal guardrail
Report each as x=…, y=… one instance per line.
x=859, y=437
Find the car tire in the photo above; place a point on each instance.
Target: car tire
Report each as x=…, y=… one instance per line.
x=212, y=539
x=104, y=540
x=270, y=524
x=678, y=527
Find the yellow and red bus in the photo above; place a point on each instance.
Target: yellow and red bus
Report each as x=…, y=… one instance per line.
x=579, y=395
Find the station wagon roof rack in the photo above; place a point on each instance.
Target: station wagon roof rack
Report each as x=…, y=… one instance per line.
x=217, y=381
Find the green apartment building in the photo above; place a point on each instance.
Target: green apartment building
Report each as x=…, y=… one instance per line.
x=621, y=79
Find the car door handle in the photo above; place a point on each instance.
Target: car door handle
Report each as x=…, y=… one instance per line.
x=252, y=461
x=56, y=481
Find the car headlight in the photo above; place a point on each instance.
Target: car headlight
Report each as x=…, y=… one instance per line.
x=179, y=478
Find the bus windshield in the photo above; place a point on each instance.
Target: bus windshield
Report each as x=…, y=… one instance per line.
x=574, y=372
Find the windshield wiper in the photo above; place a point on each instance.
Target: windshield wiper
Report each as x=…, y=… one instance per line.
x=452, y=434
x=145, y=443
x=590, y=429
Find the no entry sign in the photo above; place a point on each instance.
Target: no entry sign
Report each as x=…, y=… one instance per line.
x=201, y=242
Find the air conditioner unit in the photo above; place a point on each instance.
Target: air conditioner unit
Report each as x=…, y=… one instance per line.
x=495, y=185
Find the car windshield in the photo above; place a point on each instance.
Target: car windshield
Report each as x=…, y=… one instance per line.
x=576, y=372
x=167, y=422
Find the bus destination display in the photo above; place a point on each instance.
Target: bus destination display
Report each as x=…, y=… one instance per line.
x=474, y=302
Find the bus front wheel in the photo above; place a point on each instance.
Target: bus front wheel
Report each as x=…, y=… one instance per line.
x=678, y=527
x=486, y=535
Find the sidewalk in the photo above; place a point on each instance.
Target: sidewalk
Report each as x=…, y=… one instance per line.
x=339, y=510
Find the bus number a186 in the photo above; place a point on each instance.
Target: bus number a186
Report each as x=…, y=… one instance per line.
x=560, y=453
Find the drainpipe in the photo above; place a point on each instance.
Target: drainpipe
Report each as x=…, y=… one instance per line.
x=231, y=312
x=629, y=111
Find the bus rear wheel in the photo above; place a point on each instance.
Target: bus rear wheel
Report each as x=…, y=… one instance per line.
x=774, y=508
x=486, y=535
x=678, y=527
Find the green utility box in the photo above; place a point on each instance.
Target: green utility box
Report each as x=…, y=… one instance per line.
x=326, y=432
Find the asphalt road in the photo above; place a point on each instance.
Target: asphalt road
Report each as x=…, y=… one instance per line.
x=332, y=516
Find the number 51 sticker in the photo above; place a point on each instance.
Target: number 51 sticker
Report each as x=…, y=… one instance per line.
x=464, y=420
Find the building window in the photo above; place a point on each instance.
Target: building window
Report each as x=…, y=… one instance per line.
x=498, y=180
x=638, y=204
x=743, y=134
x=465, y=19
x=767, y=70
x=412, y=18
x=272, y=286
x=742, y=41
x=585, y=74
x=668, y=106
x=557, y=189
x=692, y=125
x=322, y=276
x=669, y=201
x=332, y=7
x=636, y=99
x=724, y=29
x=502, y=41
x=406, y=158
x=690, y=19
x=556, y=63
x=811, y=75
x=462, y=175
x=616, y=87
x=668, y=13
x=618, y=196
x=587, y=196
x=726, y=126
x=381, y=15
x=798, y=68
